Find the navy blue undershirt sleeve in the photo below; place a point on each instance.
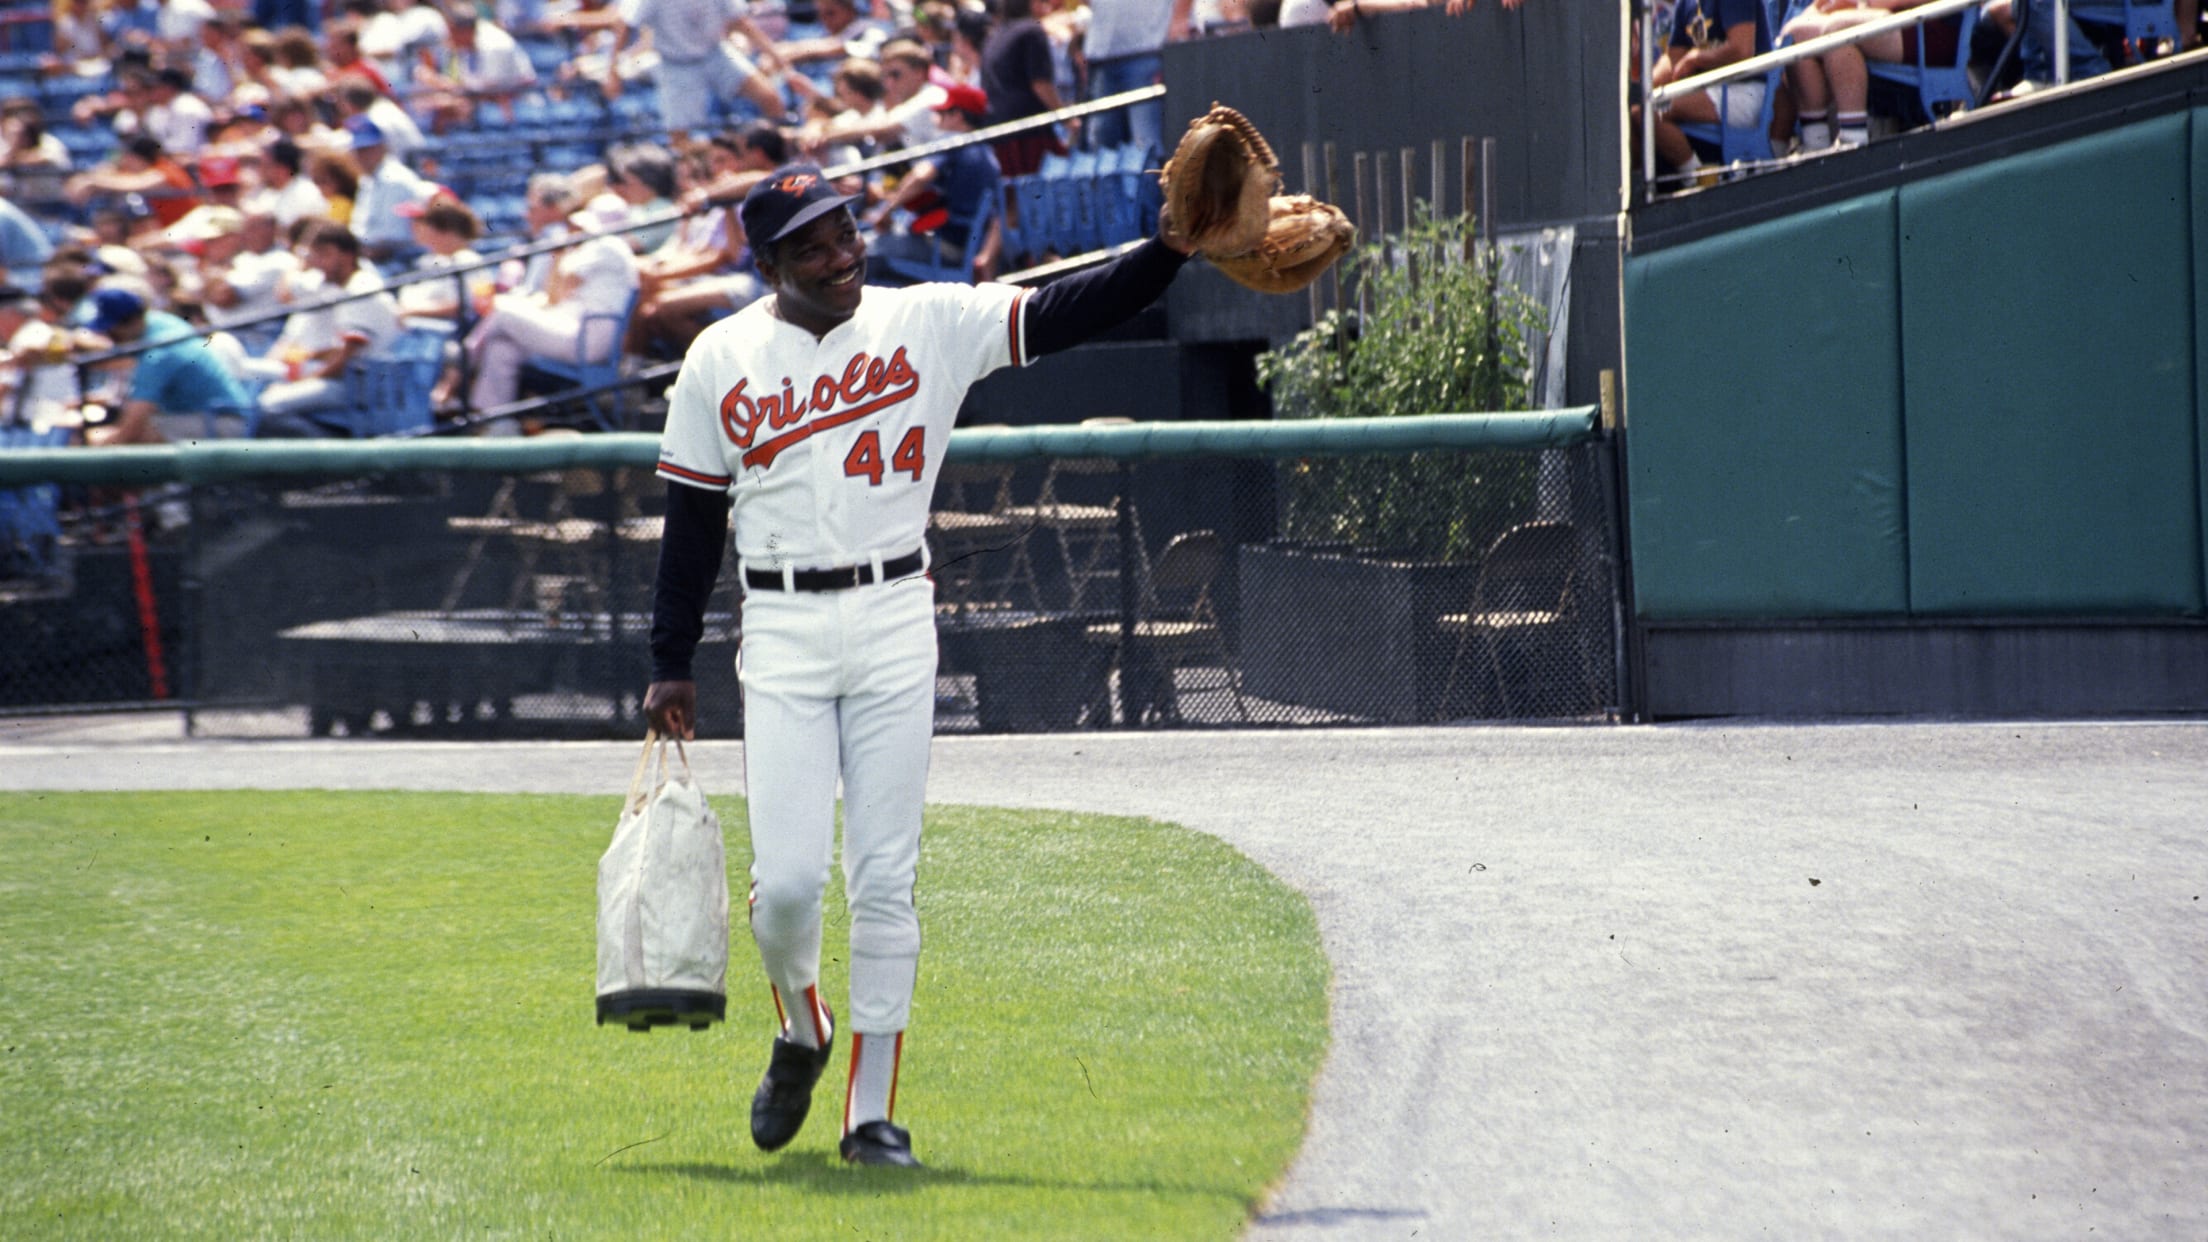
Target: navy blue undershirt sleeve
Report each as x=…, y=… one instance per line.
x=690, y=551
x=1068, y=311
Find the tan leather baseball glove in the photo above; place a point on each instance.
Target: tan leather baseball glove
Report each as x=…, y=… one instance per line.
x=1302, y=239
x=1218, y=183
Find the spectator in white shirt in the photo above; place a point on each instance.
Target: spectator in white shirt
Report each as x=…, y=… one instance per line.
x=444, y=227
x=482, y=63
x=356, y=96
x=323, y=342
x=597, y=277
x=909, y=99
x=180, y=22
x=177, y=117
x=394, y=39
x=35, y=162
x=49, y=388
x=287, y=193
x=243, y=275
x=697, y=66
x=385, y=185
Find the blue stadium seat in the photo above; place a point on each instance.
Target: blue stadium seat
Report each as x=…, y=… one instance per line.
x=600, y=332
x=2142, y=22
x=30, y=523
x=935, y=268
x=1935, y=84
x=1017, y=237
x=388, y=393
x=1086, y=229
x=547, y=54
x=1752, y=142
x=1118, y=197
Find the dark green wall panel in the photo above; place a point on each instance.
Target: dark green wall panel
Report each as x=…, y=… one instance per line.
x=2200, y=316
x=1763, y=402
x=2053, y=466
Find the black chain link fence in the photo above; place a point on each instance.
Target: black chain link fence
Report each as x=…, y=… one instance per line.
x=1071, y=594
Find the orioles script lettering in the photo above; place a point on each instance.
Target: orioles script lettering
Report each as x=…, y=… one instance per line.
x=788, y=415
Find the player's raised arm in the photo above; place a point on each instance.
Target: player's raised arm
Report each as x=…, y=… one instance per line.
x=1071, y=310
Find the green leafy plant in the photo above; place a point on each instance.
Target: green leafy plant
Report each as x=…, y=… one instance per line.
x=1433, y=331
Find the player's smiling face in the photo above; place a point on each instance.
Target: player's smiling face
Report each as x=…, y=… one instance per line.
x=818, y=272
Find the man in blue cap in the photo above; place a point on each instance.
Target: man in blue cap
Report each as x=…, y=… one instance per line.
x=814, y=421
x=175, y=386
x=385, y=185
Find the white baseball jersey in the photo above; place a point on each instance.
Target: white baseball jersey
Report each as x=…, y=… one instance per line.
x=829, y=446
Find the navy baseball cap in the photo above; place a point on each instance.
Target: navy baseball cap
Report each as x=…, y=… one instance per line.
x=792, y=197
x=113, y=307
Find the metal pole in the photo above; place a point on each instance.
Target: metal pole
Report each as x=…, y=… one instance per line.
x=1648, y=108
x=2062, y=42
x=1439, y=154
x=1333, y=195
x=1409, y=156
x=1360, y=172
x=1311, y=187
x=1494, y=392
x=1467, y=164
x=1130, y=677
x=1381, y=162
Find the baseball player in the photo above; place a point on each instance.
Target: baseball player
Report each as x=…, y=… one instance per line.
x=816, y=419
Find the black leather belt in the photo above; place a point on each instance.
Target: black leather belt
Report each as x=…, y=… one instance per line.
x=841, y=578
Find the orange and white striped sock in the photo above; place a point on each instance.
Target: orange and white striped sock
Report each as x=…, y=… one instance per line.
x=872, y=1095
x=804, y=1019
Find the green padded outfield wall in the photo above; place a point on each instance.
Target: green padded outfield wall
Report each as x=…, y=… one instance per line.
x=1764, y=425
x=2200, y=317
x=1975, y=396
x=2046, y=307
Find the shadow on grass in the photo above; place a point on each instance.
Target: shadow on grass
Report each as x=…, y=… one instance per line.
x=828, y=1174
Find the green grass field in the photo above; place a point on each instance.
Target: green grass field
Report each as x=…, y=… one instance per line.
x=339, y=1015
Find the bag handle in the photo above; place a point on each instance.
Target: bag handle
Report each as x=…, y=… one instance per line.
x=637, y=796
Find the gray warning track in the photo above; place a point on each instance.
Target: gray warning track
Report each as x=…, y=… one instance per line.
x=1683, y=982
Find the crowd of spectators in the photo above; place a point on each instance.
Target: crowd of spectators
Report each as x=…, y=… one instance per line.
x=1823, y=102
x=257, y=176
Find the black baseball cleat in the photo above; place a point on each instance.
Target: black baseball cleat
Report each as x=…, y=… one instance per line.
x=785, y=1094
x=879, y=1142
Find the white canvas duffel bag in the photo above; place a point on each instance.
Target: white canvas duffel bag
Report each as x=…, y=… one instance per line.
x=663, y=903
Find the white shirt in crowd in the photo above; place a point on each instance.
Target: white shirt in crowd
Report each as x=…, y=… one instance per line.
x=259, y=278
x=376, y=215
x=431, y=296
x=300, y=199
x=180, y=20
x=180, y=125
x=496, y=64
x=604, y=272
x=683, y=31
x=401, y=135
x=317, y=330
x=391, y=40
x=56, y=384
x=917, y=116
x=1127, y=27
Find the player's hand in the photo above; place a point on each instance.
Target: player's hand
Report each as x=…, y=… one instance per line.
x=671, y=708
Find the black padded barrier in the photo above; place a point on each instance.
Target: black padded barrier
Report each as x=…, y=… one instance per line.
x=1178, y=586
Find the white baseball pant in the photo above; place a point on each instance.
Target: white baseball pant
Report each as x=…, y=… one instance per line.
x=839, y=683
